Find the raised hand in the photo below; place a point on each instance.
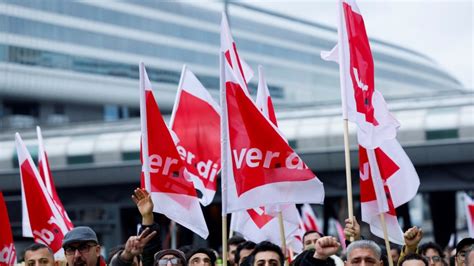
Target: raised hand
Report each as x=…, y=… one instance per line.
x=352, y=229
x=412, y=237
x=325, y=247
x=135, y=244
x=142, y=199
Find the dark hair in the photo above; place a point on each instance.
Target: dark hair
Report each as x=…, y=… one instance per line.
x=247, y=261
x=267, y=246
x=423, y=248
x=243, y=245
x=306, y=256
x=210, y=253
x=235, y=240
x=311, y=232
x=37, y=246
x=413, y=256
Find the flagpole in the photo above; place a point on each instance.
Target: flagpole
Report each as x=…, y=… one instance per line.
x=174, y=242
x=282, y=235
x=342, y=80
x=224, y=145
x=347, y=155
x=385, y=236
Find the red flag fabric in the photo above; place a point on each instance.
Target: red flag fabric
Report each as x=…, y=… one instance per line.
x=46, y=222
x=308, y=219
x=196, y=122
x=387, y=180
x=469, y=207
x=164, y=173
x=242, y=70
x=361, y=103
x=47, y=177
x=263, y=100
x=7, y=249
x=257, y=226
x=258, y=163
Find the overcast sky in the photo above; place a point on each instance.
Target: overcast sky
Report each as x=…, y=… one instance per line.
x=443, y=30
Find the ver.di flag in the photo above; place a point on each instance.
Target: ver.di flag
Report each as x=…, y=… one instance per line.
x=308, y=219
x=196, y=122
x=361, y=102
x=243, y=72
x=469, y=207
x=7, y=249
x=263, y=99
x=258, y=163
x=164, y=174
x=47, y=225
x=45, y=173
x=257, y=226
x=387, y=180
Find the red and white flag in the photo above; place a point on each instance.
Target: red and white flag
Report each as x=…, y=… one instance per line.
x=361, y=103
x=257, y=162
x=241, y=69
x=469, y=205
x=257, y=226
x=196, y=122
x=387, y=180
x=7, y=249
x=308, y=219
x=45, y=172
x=164, y=174
x=46, y=222
x=339, y=231
x=263, y=100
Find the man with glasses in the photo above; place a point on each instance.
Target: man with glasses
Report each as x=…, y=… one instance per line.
x=461, y=249
x=432, y=252
x=170, y=257
x=81, y=247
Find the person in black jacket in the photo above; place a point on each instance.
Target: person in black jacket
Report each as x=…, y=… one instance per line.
x=146, y=244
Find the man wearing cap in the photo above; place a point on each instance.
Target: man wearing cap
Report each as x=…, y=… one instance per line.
x=461, y=249
x=170, y=257
x=81, y=247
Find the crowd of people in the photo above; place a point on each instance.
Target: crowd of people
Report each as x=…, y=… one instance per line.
x=82, y=247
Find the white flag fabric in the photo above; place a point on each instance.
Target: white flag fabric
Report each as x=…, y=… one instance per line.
x=263, y=100
x=257, y=226
x=308, y=218
x=257, y=162
x=196, y=122
x=242, y=70
x=164, y=174
x=469, y=207
x=361, y=102
x=387, y=180
x=47, y=225
x=47, y=177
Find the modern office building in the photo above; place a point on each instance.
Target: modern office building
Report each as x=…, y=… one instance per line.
x=72, y=67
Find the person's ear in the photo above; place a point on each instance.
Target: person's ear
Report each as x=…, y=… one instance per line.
x=97, y=249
